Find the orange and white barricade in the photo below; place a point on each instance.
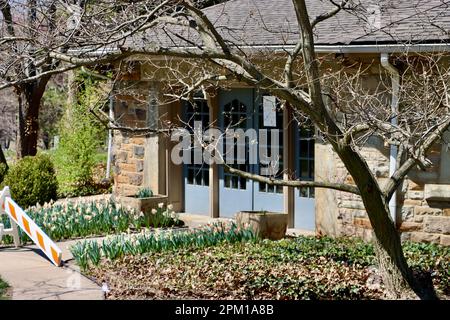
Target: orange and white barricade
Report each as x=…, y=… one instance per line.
x=13, y=231
x=19, y=218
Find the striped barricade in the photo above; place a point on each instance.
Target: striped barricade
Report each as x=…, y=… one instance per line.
x=13, y=231
x=35, y=233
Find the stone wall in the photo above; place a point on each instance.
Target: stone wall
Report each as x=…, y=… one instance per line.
x=128, y=163
x=423, y=210
x=140, y=159
x=131, y=107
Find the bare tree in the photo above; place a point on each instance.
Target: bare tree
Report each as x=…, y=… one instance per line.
x=34, y=32
x=198, y=55
x=8, y=121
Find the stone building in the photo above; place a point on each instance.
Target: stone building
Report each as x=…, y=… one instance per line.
x=422, y=209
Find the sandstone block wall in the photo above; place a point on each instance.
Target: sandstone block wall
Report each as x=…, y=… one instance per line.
x=420, y=218
x=132, y=109
x=140, y=159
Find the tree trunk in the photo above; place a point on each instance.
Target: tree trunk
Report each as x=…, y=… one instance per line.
x=397, y=276
x=29, y=97
x=2, y=157
x=28, y=128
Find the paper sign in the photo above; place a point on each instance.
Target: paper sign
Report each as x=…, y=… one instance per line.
x=269, y=111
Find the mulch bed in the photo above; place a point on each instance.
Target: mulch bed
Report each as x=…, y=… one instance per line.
x=238, y=271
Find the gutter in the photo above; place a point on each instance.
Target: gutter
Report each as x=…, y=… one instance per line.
x=110, y=140
x=395, y=82
x=363, y=48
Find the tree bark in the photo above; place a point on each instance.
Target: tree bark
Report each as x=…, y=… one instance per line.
x=2, y=157
x=30, y=96
x=397, y=276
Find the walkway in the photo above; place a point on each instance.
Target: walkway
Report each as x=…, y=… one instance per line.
x=33, y=277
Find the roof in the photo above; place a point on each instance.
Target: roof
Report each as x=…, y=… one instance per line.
x=272, y=23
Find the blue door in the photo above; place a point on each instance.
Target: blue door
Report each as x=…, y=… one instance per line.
x=236, y=117
x=268, y=197
x=196, y=176
x=241, y=110
x=304, y=160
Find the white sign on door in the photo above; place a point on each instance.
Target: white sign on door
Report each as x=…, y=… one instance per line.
x=270, y=111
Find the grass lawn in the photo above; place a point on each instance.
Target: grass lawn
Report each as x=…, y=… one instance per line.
x=300, y=268
x=4, y=290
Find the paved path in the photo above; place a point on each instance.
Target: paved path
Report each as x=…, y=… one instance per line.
x=33, y=277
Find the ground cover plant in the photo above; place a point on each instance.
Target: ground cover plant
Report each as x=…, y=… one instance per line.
x=90, y=253
x=68, y=220
x=3, y=290
x=294, y=268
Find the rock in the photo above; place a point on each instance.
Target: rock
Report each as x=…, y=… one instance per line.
x=405, y=236
x=121, y=157
x=445, y=240
x=410, y=226
x=414, y=186
x=415, y=195
x=427, y=211
x=363, y=223
x=412, y=203
x=437, y=192
x=136, y=179
x=139, y=165
x=130, y=167
x=122, y=179
x=407, y=213
x=139, y=152
x=425, y=237
x=436, y=224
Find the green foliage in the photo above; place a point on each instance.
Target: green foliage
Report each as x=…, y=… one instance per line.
x=144, y=193
x=292, y=268
x=53, y=105
x=3, y=287
x=81, y=135
x=71, y=220
x=145, y=242
x=432, y=258
x=163, y=217
x=3, y=171
x=32, y=180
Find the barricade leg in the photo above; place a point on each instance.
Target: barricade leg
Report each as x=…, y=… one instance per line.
x=15, y=234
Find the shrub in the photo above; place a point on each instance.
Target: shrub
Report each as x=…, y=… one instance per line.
x=32, y=180
x=74, y=160
x=81, y=137
x=3, y=290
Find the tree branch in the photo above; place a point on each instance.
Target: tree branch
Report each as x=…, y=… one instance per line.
x=329, y=14
x=293, y=183
x=403, y=170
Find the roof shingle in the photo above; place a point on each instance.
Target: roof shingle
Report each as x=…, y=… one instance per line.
x=269, y=22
